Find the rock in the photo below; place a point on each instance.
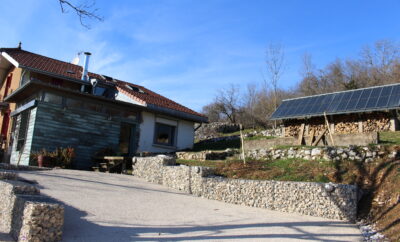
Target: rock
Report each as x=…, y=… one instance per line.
x=316, y=152
x=352, y=153
x=369, y=160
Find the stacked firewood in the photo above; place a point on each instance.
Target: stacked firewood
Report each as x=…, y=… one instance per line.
x=344, y=124
x=346, y=127
x=316, y=128
x=292, y=130
x=380, y=124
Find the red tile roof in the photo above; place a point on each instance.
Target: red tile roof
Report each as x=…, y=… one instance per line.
x=65, y=69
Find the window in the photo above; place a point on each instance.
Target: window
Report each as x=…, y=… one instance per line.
x=26, y=76
x=99, y=91
x=52, y=98
x=127, y=146
x=23, y=128
x=134, y=88
x=164, y=134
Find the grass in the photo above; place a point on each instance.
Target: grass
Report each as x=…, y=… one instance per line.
x=286, y=147
x=207, y=163
x=245, y=131
x=259, y=137
x=389, y=137
x=280, y=170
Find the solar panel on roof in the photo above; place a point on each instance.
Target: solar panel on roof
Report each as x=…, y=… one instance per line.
x=344, y=101
x=361, y=100
x=373, y=98
x=335, y=102
x=384, y=97
x=395, y=96
x=354, y=100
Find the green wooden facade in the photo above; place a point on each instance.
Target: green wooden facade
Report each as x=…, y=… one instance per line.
x=57, y=125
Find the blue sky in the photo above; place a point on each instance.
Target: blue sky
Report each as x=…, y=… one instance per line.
x=187, y=50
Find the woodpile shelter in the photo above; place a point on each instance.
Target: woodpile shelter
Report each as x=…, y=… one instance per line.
x=315, y=119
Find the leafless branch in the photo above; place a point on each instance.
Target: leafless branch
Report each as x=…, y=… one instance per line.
x=84, y=11
x=275, y=60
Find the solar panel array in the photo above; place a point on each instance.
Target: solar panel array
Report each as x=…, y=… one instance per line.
x=359, y=100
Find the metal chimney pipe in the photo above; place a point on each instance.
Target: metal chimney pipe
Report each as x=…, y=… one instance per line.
x=85, y=66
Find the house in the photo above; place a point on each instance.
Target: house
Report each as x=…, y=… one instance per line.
x=47, y=103
x=353, y=112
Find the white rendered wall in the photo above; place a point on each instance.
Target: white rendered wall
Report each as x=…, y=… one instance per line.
x=184, y=133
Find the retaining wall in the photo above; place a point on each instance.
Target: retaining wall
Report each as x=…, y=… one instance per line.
x=25, y=214
x=367, y=154
x=335, y=201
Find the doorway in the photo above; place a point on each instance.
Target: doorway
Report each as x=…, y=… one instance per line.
x=127, y=139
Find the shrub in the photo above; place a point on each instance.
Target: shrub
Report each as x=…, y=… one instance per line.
x=61, y=157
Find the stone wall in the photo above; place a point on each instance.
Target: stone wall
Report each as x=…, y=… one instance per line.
x=151, y=169
x=25, y=214
x=365, y=153
x=334, y=201
x=211, y=130
x=360, y=153
x=315, y=199
x=206, y=155
x=267, y=143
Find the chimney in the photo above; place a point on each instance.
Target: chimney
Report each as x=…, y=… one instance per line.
x=85, y=67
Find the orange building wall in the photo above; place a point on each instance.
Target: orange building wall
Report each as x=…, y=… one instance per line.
x=15, y=80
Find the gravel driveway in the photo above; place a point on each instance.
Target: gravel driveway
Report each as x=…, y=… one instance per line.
x=113, y=207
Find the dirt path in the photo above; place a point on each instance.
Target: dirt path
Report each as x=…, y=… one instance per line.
x=112, y=207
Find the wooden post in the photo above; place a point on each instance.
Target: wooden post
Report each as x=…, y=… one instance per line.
x=329, y=130
x=300, y=140
x=242, y=140
x=319, y=138
x=311, y=138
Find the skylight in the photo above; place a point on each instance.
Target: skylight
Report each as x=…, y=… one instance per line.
x=135, y=89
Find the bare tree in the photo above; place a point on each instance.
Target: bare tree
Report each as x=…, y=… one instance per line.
x=310, y=82
x=227, y=101
x=249, y=101
x=275, y=61
x=381, y=61
x=212, y=112
x=84, y=11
